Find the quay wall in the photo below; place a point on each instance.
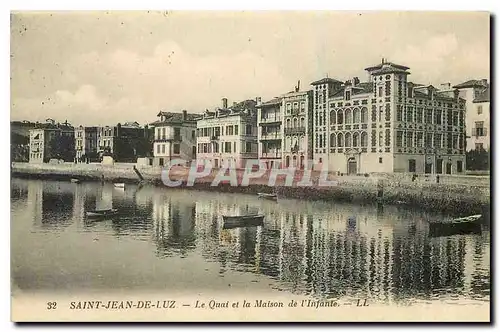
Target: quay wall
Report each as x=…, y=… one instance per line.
x=460, y=194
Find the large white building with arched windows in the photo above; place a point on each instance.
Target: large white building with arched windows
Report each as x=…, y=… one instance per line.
x=387, y=124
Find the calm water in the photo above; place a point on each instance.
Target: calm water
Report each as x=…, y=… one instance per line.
x=173, y=239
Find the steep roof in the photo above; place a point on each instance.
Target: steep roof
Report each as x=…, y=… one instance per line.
x=326, y=80
x=175, y=118
x=470, y=84
x=272, y=102
x=389, y=64
x=483, y=97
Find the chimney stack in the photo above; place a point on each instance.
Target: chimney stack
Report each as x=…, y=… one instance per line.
x=355, y=81
x=184, y=115
x=445, y=86
x=258, y=101
x=234, y=103
x=224, y=103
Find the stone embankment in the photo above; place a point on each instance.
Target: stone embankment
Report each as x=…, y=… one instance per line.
x=460, y=194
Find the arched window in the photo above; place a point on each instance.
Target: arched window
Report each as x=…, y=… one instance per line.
x=295, y=121
x=348, y=116
x=364, y=139
x=288, y=123
x=333, y=118
x=348, y=140
x=356, y=115
x=340, y=140
x=340, y=117
x=355, y=140
x=333, y=140
x=364, y=115
x=302, y=122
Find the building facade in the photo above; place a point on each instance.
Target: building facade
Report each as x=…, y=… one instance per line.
x=297, y=110
x=387, y=124
x=125, y=143
x=52, y=141
x=270, y=132
x=86, y=143
x=477, y=120
x=174, y=137
x=228, y=135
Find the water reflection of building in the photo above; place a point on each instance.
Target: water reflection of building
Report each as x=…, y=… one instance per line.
x=174, y=224
x=35, y=202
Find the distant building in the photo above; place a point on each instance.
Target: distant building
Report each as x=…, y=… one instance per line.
x=228, y=135
x=86, y=143
x=270, y=132
x=174, y=137
x=297, y=111
x=477, y=118
x=125, y=143
x=388, y=124
x=52, y=141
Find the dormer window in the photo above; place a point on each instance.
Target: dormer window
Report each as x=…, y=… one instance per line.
x=163, y=118
x=348, y=95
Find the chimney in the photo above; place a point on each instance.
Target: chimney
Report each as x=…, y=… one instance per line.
x=224, y=103
x=184, y=115
x=258, y=101
x=234, y=103
x=445, y=86
x=355, y=81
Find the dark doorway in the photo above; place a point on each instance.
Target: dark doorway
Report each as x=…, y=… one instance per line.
x=352, y=166
x=448, y=168
x=439, y=166
x=459, y=166
x=412, y=167
x=161, y=162
x=428, y=168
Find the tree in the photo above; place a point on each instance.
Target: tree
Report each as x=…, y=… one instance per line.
x=478, y=159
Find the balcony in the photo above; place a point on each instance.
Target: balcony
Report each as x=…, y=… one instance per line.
x=294, y=131
x=214, y=138
x=270, y=120
x=173, y=138
x=479, y=132
x=274, y=155
x=271, y=136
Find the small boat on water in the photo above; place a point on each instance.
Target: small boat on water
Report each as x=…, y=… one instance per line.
x=272, y=197
x=119, y=185
x=101, y=213
x=75, y=180
x=243, y=221
x=463, y=225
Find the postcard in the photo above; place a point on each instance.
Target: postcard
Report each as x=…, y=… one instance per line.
x=250, y=166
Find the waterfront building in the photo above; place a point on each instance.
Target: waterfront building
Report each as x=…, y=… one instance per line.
x=174, y=137
x=270, y=132
x=228, y=135
x=125, y=143
x=285, y=129
x=477, y=119
x=387, y=124
x=86, y=143
x=51, y=140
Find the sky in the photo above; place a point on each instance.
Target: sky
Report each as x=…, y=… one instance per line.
x=101, y=68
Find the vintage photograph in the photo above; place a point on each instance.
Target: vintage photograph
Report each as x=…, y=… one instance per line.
x=254, y=166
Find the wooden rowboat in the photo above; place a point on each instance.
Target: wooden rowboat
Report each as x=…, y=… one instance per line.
x=272, y=197
x=75, y=180
x=101, y=213
x=243, y=221
x=463, y=225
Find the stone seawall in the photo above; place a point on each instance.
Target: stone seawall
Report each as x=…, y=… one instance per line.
x=453, y=194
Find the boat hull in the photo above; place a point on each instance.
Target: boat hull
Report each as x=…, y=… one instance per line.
x=119, y=185
x=272, y=197
x=242, y=221
x=444, y=229
x=101, y=214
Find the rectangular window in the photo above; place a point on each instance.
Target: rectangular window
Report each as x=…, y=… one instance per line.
x=455, y=141
x=177, y=148
x=380, y=113
x=248, y=147
x=162, y=133
x=479, y=129
x=227, y=147
x=399, y=114
x=428, y=116
x=163, y=148
x=236, y=129
x=380, y=160
x=412, y=165
x=248, y=130
x=399, y=139
x=193, y=134
x=380, y=91
x=419, y=115
x=234, y=145
x=437, y=140
x=409, y=114
x=479, y=146
x=455, y=118
x=409, y=139
x=480, y=109
x=158, y=148
x=420, y=139
x=229, y=130
x=428, y=140
x=348, y=95
x=438, y=114
x=459, y=166
x=387, y=137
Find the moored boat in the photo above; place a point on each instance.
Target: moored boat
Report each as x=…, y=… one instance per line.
x=272, y=197
x=75, y=180
x=119, y=185
x=243, y=221
x=463, y=225
x=101, y=213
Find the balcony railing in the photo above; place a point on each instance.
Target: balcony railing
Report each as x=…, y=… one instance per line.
x=214, y=138
x=296, y=130
x=175, y=138
x=271, y=119
x=275, y=135
x=479, y=132
x=276, y=154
